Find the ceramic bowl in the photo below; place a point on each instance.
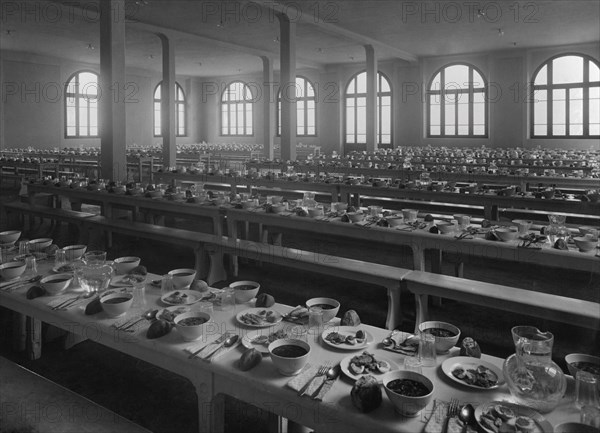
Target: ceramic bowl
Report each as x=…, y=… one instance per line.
x=9, y=237
x=588, y=230
x=125, y=264
x=191, y=331
x=446, y=227
x=586, y=243
x=40, y=244
x=295, y=362
x=279, y=208
x=55, y=284
x=410, y=214
x=463, y=219
x=355, y=217
x=442, y=344
x=329, y=306
x=10, y=270
x=248, y=204
x=74, y=252
x=574, y=427
x=182, y=277
x=572, y=359
x=405, y=405
x=115, y=304
x=244, y=290
x=339, y=206
x=395, y=221
x=523, y=226
x=276, y=199
x=507, y=234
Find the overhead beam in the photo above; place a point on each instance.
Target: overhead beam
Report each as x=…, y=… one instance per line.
x=308, y=17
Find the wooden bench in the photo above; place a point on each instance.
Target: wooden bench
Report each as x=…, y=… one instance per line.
x=15, y=212
x=32, y=403
x=536, y=304
x=387, y=276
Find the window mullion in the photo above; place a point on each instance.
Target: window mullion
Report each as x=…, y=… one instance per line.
x=586, y=98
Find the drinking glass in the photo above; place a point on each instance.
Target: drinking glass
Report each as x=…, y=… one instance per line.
x=94, y=257
x=23, y=247
x=227, y=299
x=166, y=284
x=139, y=296
x=315, y=319
x=60, y=259
x=590, y=415
x=586, y=389
x=95, y=279
x=413, y=363
x=427, y=352
x=205, y=307
x=30, y=266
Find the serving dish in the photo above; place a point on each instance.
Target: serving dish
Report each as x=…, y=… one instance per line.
x=468, y=363
x=345, y=331
x=263, y=317
x=345, y=367
x=181, y=297
x=126, y=280
x=541, y=424
x=260, y=339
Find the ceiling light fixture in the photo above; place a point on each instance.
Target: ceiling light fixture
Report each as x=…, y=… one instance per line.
x=351, y=57
x=319, y=50
x=276, y=39
x=221, y=24
x=500, y=32
x=91, y=47
x=9, y=32
x=141, y=2
x=199, y=63
x=151, y=56
x=480, y=13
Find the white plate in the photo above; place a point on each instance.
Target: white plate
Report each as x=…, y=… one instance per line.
x=468, y=362
x=177, y=309
x=542, y=425
x=345, y=366
x=293, y=331
x=264, y=323
x=121, y=281
x=192, y=297
x=346, y=331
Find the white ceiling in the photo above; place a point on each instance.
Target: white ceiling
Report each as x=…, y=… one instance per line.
x=222, y=37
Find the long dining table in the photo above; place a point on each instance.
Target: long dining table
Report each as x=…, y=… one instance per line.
x=262, y=386
x=418, y=240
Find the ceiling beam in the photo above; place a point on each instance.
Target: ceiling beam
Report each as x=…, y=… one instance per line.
x=308, y=17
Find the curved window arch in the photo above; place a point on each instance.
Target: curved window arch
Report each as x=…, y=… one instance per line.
x=566, y=98
x=456, y=102
x=236, y=110
x=306, y=112
x=81, y=105
x=355, y=107
x=180, y=124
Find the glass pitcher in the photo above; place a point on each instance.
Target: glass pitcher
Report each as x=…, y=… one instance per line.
x=532, y=377
x=557, y=228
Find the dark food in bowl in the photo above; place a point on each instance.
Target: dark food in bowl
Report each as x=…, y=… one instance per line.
x=440, y=332
x=323, y=306
x=58, y=280
x=116, y=300
x=590, y=367
x=245, y=287
x=183, y=274
x=192, y=321
x=408, y=387
x=289, y=351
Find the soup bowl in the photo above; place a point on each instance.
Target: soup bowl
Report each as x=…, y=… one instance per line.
x=315, y=211
x=289, y=355
x=395, y=221
x=74, y=252
x=191, y=324
x=182, y=277
x=115, y=304
x=410, y=215
x=125, y=264
x=244, y=290
x=9, y=237
x=55, y=284
x=581, y=361
x=40, y=244
x=394, y=384
x=443, y=342
x=446, y=227
x=10, y=270
x=523, y=225
x=588, y=230
x=329, y=306
x=507, y=234
x=355, y=217
x=586, y=243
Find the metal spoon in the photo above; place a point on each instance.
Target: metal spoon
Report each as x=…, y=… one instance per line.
x=67, y=303
x=148, y=315
x=466, y=414
x=389, y=341
x=227, y=343
x=332, y=374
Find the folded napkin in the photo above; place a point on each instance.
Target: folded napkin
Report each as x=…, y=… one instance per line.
x=209, y=348
x=57, y=300
x=134, y=328
x=298, y=315
x=408, y=346
x=437, y=421
x=308, y=373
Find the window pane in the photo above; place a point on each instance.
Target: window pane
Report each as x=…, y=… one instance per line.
x=436, y=82
x=300, y=87
x=540, y=129
x=361, y=120
x=361, y=138
x=457, y=76
x=310, y=90
x=594, y=128
x=478, y=82
x=434, y=114
x=385, y=120
x=449, y=112
x=540, y=113
x=559, y=110
x=559, y=129
x=385, y=84
x=542, y=77
x=249, y=119
x=594, y=106
x=594, y=72
x=350, y=138
x=157, y=92
x=463, y=115
x=361, y=83
x=435, y=130
x=576, y=107
x=351, y=87
x=567, y=69
x=479, y=114
x=478, y=129
x=350, y=126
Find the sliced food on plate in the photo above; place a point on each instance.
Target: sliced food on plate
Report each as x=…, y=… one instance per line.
x=366, y=363
x=505, y=417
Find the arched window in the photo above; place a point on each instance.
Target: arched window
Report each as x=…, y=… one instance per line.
x=180, y=125
x=456, y=103
x=81, y=105
x=236, y=110
x=355, y=100
x=566, y=98
x=306, y=116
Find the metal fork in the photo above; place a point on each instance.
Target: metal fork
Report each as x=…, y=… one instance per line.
x=320, y=372
x=453, y=408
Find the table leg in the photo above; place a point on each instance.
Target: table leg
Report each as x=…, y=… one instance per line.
x=34, y=338
x=206, y=404
x=394, y=307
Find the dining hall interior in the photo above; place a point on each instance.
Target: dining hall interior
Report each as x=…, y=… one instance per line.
x=344, y=178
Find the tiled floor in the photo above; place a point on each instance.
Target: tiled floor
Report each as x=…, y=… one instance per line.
x=139, y=391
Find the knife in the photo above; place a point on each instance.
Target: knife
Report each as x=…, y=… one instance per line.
x=219, y=340
x=13, y=285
